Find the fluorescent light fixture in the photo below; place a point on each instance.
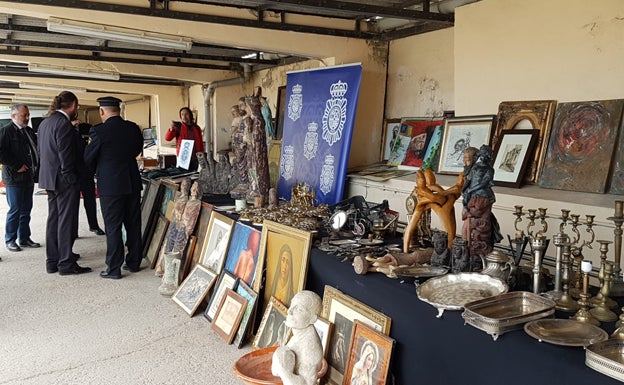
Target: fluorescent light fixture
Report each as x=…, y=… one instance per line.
x=108, y=32
x=49, y=87
x=73, y=71
x=32, y=99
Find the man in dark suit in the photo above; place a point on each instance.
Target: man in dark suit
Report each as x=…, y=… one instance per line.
x=58, y=175
x=18, y=154
x=112, y=152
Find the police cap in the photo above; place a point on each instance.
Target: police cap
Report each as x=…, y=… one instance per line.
x=109, y=101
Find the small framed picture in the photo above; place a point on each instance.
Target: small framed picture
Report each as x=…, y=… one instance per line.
x=390, y=133
x=272, y=329
x=226, y=281
x=323, y=329
x=217, y=241
x=193, y=290
x=250, y=313
x=458, y=135
x=243, y=251
x=229, y=314
x=514, y=150
x=369, y=356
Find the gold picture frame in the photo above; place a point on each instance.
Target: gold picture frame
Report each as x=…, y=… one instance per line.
x=343, y=310
x=272, y=329
x=369, y=356
x=277, y=243
x=228, y=317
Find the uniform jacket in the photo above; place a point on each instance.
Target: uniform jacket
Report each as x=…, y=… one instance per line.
x=14, y=153
x=112, y=152
x=57, y=151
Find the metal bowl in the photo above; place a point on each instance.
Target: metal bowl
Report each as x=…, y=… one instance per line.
x=565, y=332
x=607, y=357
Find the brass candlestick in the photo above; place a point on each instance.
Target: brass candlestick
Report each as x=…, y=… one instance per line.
x=617, y=286
x=559, y=240
x=583, y=315
x=599, y=298
x=518, y=214
x=566, y=302
x=531, y=216
x=619, y=331
x=601, y=311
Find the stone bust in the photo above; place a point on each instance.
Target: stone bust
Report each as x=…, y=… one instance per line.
x=441, y=254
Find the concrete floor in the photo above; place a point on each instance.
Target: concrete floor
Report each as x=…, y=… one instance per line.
x=88, y=330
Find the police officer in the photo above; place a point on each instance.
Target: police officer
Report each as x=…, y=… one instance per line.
x=112, y=152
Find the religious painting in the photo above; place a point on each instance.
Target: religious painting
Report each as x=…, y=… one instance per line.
x=249, y=316
x=513, y=153
x=242, y=254
x=229, y=314
x=369, y=356
x=217, y=241
x=284, y=253
x=389, y=136
x=342, y=310
x=194, y=289
x=581, y=147
x=272, y=329
x=459, y=134
x=421, y=132
x=530, y=115
x=226, y=281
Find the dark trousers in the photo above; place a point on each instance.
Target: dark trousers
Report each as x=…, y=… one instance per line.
x=62, y=214
x=20, y=200
x=121, y=210
x=87, y=188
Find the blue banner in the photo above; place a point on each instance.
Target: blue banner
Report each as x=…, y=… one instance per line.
x=318, y=125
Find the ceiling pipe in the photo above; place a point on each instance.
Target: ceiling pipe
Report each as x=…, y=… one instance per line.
x=208, y=92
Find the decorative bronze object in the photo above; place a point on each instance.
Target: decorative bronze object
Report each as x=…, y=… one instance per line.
x=607, y=357
x=565, y=301
x=602, y=276
x=583, y=315
x=559, y=240
x=601, y=311
x=617, y=286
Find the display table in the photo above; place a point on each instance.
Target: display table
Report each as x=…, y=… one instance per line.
x=444, y=351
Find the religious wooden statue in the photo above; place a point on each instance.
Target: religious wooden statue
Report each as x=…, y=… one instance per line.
x=257, y=153
x=239, y=147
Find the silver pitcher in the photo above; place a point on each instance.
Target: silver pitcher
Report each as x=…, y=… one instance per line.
x=499, y=265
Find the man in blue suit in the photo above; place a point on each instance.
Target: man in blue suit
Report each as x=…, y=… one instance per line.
x=112, y=152
x=58, y=175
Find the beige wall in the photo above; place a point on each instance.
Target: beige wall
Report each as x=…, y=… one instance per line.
x=567, y=50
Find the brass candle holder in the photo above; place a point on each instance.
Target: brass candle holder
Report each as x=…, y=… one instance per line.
x=617, y=285
x=566, y=302
x=558, y=240
x=602, y=275
x=518, y=213
x=583, y=314
x=601, y=311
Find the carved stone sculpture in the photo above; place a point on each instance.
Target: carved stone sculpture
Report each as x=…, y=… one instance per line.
x=216, y=177
x=441, y=254
x=460, y=256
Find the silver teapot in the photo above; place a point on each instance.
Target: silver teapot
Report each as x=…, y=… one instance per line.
x=499, y=265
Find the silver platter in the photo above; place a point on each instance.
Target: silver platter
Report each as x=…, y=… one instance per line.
x=506, y=312
x=453, y=291
x=565, y=332
x=607, y=357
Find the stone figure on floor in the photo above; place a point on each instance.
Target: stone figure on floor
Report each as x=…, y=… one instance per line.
x=460, y=256
x=441, y=254
x=257, y=153
x=481, y=228
x=299, y=362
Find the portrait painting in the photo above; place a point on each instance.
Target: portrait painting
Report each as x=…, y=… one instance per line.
x=581, y=146
x=284, y=252
x=194, y=289
x=243, y=252
x=369, y=356
x=229, y=314
x=217, y=241
x=342, y=310
x=247, y=321
x=459, y=134
x=272, y=329
x=513, y=153
x=226, y=281
x=421, y=132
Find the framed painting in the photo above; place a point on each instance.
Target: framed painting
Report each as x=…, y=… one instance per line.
x=148, y=210
x=242, y=254
x=194, y=289
x=459, y=134
x=421, y=132
x=582, y=145
x=272, y=329
x=201, y=229
x=532, y=115
x=284, y=253
x=275, y=150
x=323, y=328
x=513, y=154
x=617, y=176
x=229, y=314
x=369, y=356
x=168, y=194
x=432, y=155
x=250, y=312
x=389, y=135
x=226, y=281
x=187, y=257
x=217, y=240
x=153, y=250
x=342, y=311
x=280, y=111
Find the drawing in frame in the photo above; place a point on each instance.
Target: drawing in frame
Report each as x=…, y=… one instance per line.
x=226, y=281
x=194, y=289
x=272, y=329
x=514, y=151
x=250, y=313
x=217, y=241
x=242, y=254
x=158, y=235
x=284, y=254
x=201, y=229
x=459, y=134
x=229, y=314
x=369, y=356
x=342, y=311
x=527, y=114
x=389, y=134
x=323, y=329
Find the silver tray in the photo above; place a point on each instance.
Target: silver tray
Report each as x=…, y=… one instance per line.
x=453, y=291
x=566, y=332
x=506, y=312
x=607, y=357
x=420, y=271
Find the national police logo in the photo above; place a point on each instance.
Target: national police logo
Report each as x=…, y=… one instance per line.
x=287, y=163
x=295, y=103
x=335, y=113
x=327, y=175
x=310, y=144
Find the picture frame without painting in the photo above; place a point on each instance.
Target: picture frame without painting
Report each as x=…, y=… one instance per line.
x=513, y=152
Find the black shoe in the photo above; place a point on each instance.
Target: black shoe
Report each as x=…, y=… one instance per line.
x=97, y=231
x=13, y=246
x=131, y=269
x=110, y=275
x=29, y=243
x=52, y=270
x=76, y=269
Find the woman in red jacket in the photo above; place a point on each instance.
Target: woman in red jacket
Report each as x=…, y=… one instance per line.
x=186, y=129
